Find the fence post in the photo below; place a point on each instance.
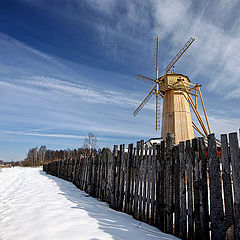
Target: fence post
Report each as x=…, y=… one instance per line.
x=189, y=188
x=122, y=176
x=136, y=193
x=169, y=183
x=196, y=185
x=227, y=185
x=216, y=202
x=141, y=159
x=154, y=158
x=128, y=178
x=183, y=217
x=113, y=176
x=162, y=187
x=149, y=182
x=204, y=215
x=235, y=159
x=118, y=172
x=145, y=182
x=158, y=189
x=132, y=174
x=176, y=181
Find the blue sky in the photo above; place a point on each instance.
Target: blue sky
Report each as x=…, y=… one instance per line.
x=68, y=67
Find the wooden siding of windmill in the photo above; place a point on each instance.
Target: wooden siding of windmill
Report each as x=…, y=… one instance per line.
x=176, y=115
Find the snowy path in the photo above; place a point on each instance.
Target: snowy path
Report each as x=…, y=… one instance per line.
x=35, y=206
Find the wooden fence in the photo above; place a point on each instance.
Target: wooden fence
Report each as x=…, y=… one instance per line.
x=187, y=190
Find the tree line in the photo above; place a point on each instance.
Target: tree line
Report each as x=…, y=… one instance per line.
x=39, y=156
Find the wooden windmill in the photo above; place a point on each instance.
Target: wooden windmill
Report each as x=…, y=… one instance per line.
x=177, y=93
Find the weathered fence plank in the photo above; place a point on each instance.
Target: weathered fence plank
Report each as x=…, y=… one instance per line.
x=149, y=183
x=204, y=215
x=118, y=172
x=183, y=217
x=189, y=189
x=227, y=186
x=162, y=212
x=158, y=189
x=169, y=185
x=122, y=176
x=145, y=182
x=196, y=185
x=216, y=202
x=176, y=182
x=153, y=185
x=132, y=173
x=235, y=159
x=141, y=178
x=136, y=198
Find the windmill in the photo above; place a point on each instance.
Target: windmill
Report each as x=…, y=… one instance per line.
x=177, y=93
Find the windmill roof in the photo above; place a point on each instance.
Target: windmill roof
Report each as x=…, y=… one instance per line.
x=170, y=74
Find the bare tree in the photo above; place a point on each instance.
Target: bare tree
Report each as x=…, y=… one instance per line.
x=42, y=153
x=90, y=141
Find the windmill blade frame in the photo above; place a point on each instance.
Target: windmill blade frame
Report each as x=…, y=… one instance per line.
x=179, y=54
x=157, y=113
x=156, y=57
x=145, y=79
x=144, y=102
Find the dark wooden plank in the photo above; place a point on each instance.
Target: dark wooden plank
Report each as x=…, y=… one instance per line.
x=145, y=182
x=189, y=189
x=136, y=192
x=235, y=160
x=162, y=212
x=196, y=184
x=95, y=176
x=102, y=186
x=227, y=185
x=98, y=175
x=183, y=216
x=113, y=176
x=158, y=189
x=122, y=177
x=85, y=173
x=108, y=176
x=128, y=178
x=118, y=172
x=216, y=201
x=141, y=178
x=153, y=184
x=80, y=174
x=176, y=179
x=132, y=175
x=204, y=215
x=89, y=176
x=169, y=183
x=149, y=183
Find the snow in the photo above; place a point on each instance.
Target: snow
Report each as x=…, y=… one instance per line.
x=34, y=205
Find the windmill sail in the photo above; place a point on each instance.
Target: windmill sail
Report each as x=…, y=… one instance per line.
x=144, y=101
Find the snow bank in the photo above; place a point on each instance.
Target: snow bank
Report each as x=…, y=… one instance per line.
x=34, y=205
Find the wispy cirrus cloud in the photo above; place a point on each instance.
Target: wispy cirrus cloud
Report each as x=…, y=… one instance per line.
x=54, y=135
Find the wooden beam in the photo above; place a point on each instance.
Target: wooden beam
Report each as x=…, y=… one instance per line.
x=197, y=129
x=205, y=113
x=197, y=114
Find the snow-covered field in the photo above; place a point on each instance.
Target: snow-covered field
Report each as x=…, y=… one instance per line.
x=34, y=205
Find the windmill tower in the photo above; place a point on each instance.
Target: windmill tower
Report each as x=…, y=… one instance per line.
x=177, y=93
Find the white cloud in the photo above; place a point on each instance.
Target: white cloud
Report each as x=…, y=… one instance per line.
x=44, y=85
x=214, y=55
x=106, y=6
x=45, y=134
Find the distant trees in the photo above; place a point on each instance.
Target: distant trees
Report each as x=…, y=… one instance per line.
x=90, y=141
x=37, y=157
